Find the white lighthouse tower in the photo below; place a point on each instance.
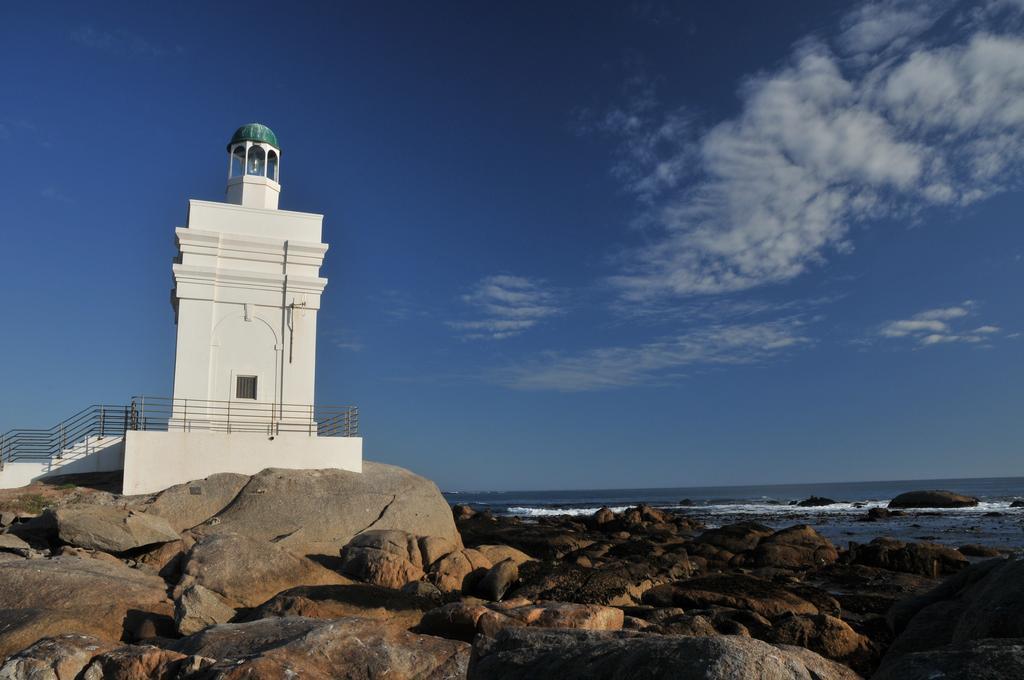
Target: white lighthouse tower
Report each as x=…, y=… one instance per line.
x=246, y=296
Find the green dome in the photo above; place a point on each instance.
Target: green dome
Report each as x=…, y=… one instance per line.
x=254, y=132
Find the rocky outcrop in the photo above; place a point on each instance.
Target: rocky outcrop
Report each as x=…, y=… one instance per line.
x=346, y=648
x=827, y=635
x=246, y=572
x=521, y=653
x=499, y=553
x=927, y=559
x=815, y=502
x=971, y=660
x=316, y=512
x=109, y=528
x=143, y=662
x=388, y=558
x=932, y=499
x=982, y=601
x=44, y=597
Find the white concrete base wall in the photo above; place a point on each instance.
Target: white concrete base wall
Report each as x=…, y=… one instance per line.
x=154, y=461
x=96, y=454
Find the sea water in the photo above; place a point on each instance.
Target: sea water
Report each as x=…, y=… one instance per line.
x=992, y=522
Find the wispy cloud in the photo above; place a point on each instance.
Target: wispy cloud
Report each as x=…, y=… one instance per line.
x=940, y=326
x=119, y=41
x=837, y=136
x=657, y=362
x=505, y=306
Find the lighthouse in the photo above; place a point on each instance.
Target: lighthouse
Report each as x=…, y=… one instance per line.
x=246, y=298
x=247, y=286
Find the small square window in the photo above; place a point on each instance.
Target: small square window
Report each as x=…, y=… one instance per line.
x=245, y=387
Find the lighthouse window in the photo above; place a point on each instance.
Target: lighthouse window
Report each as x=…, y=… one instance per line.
x=272, y=165
x=238, y=161
x=245, y=387
x=257, y=161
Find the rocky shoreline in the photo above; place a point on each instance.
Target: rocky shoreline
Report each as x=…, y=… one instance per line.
x=329, y=574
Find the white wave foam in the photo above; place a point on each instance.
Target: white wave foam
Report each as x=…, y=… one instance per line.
x=851, y=508
x=550, y=512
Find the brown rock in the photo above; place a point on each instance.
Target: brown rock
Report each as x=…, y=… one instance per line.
x=497, y=553
x=736, y=538
x=737, y=591
x=462, y=620
x=142, y=663
x=378, y=567
x=188, y=505
x=831, y=637
x=927, y=559
x=40, y=598
x=433, y=548
x=975, y=550
x=798, y=547
x=197, y=608
x=459, y=571
x=246, y=572
x=355, y=600
x=56, y=658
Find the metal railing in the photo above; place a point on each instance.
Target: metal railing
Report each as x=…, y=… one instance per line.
x=164, y=413
x=99, y=421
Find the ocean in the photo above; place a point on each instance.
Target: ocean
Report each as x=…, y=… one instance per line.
x=993, y=522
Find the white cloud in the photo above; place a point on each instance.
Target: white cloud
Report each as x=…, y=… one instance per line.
x=658, y=361
x=935, y=327
x=508, y=305
x=819, y=145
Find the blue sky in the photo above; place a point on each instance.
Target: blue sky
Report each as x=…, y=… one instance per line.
x=572, y=244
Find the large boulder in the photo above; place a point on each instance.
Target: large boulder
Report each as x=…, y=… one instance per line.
x=498, y=580
x=110, y=528
x=990, y=659
x=798, y=547
x=617, y=584
x=318, y=511
x=983, y=601
x=926, y=559
x=522, y=653
x=44, y=597
x=383, y=557
x=341, y=649
x=246, y=572
x=827, y=635
x=197, y=608
x=736, y=591
x=499, y=553
x=932, y=499
x=142, y=662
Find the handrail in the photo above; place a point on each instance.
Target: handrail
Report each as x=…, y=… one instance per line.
x=167, y=414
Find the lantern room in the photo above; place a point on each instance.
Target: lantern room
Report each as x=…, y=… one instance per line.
x=254, y=166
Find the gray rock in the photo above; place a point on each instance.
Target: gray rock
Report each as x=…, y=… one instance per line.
x=932, y=499
x=986, y=600
x=498, y=580
x=379, y=567
x=109, y=528
x=197, y=608
x=345, y=648
x=521, y=653
x=11, y=543
x=188, y=505
x=316, y=512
